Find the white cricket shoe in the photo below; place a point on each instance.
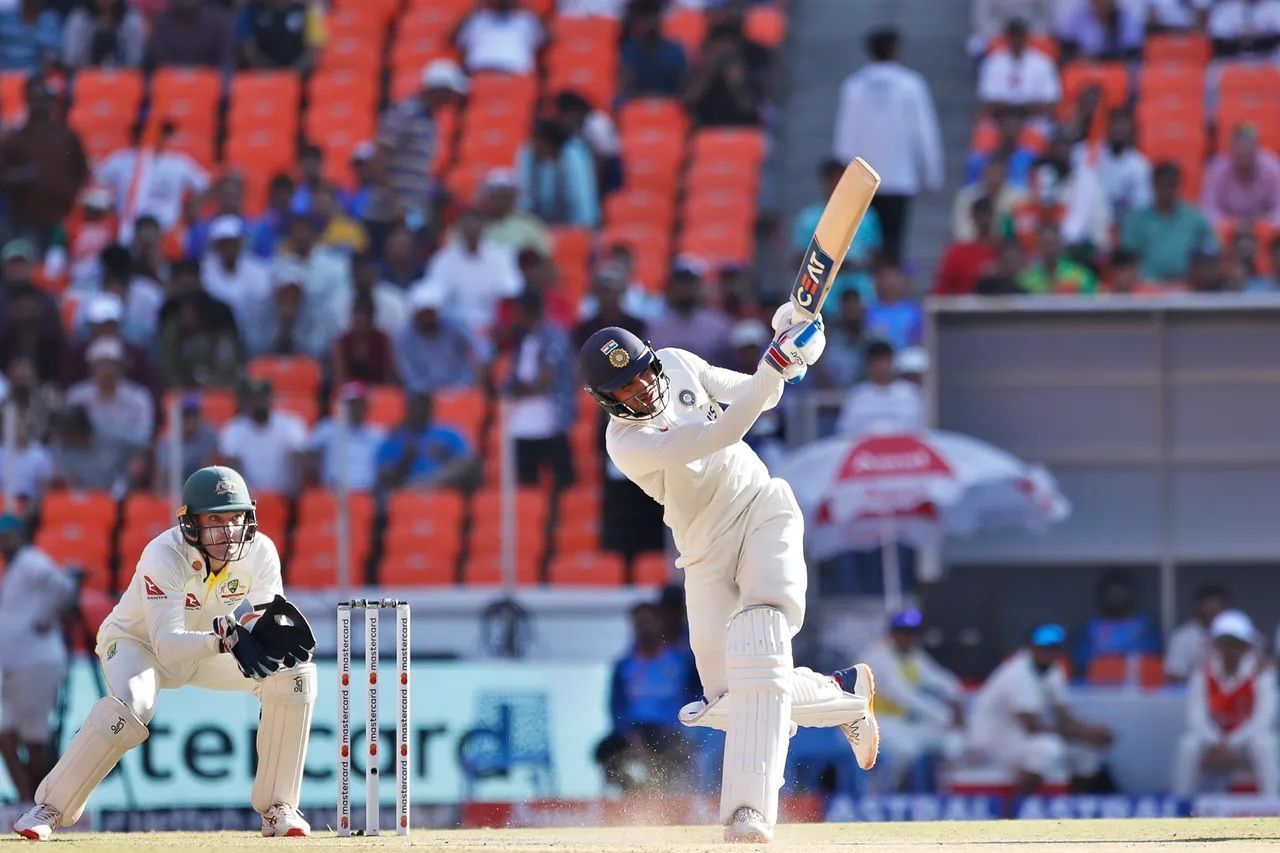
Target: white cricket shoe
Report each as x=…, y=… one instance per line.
x=748, y=826
x=38, y=823
x=863, y=733
x=284, y=821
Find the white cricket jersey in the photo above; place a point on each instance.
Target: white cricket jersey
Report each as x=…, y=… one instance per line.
x=1016, y=687
x=691, y=458
x=33, y=593
x=172, y=600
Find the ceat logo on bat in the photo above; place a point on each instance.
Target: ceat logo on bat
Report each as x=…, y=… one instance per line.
x=152, y=591
x=193, y=603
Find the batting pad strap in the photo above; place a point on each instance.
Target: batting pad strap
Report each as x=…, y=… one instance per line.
x=283, y=732
x=110, y=730
x=816, y=702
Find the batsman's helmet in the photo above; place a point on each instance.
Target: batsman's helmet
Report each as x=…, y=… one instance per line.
x=217, y=489
x=611, y=358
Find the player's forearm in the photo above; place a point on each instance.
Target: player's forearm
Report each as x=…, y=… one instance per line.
x=182, y=647
x=733, y=424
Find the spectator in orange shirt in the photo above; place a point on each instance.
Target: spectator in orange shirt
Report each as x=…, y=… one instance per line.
x=965, y=260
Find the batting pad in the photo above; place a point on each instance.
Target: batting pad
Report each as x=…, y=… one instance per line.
x=758, y=655
x=110, y=730
x=816, y=702
x=287, y=699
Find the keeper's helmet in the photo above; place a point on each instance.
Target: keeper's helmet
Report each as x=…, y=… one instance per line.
x=610, y=359
x=217, y=489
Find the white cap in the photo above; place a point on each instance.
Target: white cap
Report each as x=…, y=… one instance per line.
x=748, y=333
x=98, y=198
x=226, y=228
x=911, y=360
x=504, y=178
x=1234, y=623
x=104, y=349
x=425, y=296
x=445, y=74
x=104, y=308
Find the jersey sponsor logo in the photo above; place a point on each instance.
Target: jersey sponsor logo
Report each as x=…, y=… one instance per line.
x=686, y=397
x=814, y=276
x=151, y=590
x=192, y=603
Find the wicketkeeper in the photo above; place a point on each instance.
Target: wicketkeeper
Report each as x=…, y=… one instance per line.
x=176, y=625
x=740, y=535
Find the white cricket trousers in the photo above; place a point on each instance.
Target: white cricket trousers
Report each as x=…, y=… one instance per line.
x=758, y=561
x=1261, y=753
x=135, y=677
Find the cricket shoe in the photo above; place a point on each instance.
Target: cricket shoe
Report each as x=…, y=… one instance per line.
x=38, y=823
x=748, y=826
x=863, y=733
x=284, y=821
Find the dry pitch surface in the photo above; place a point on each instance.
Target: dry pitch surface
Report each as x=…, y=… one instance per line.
x=1089, y=836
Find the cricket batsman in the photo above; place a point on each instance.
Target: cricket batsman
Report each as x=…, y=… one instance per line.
x=176, y=625
x=740, y=537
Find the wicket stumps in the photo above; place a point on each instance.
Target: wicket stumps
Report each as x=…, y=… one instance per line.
x=372, y=607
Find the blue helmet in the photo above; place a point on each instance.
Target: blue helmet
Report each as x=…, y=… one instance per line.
x=611, y=358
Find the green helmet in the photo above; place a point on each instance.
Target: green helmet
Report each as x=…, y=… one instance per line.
x=217, y=489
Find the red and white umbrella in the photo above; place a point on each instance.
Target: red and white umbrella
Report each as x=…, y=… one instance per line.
x=915, y=489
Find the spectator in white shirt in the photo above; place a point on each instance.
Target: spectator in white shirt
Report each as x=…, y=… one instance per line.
x=597, y=131
x=1231, y=711
x=231, y=274
x=500, y=37
x=903, y=141
x=990, y=17
x=1244, y=27
x=164, y=180
x=27, y=472
x=34, y=592
x=280, y=326
x=326, y=283
x=348, y=452
x=1019, y=76
x=263, y=443
x=140, y=296
x=1020, y=718
x=540, y=397
x=1189, y=643
x=1120, y=169
x=389, y=311
x=118, y=408
x=882, y=403
x=917, y=701
x=473, y=275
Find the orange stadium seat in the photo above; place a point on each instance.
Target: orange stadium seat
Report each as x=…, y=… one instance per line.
x=653, y=112
x=651, y=568
x=1172, y=87
x=601, y=568
x=598, y=84
x=1244, y=79
x=263, y=100
x=217, y=406
x=686, y=26
x=106, y=98
x=342, y=86
x=579, y=502
x=463, y=179
x=147, y=512
x=319, y=507
x=451, y=12
x=348, y=52
x=365, y=21
x=422, y=568
x=273, y=515
x=188, y=97
x=1112, y=78
x=99, y=142
x=571, y=248
x=386, y=405
x=79, y=506
x=294, y=373
x=465, y=409
x=81, y=544
x=719, y=205
x=487, y=539
x=490, y=86
x=738, y=145
x=495, y=145
x=719, y=243
x=313, y=564
x=577, y=535
x=1177, y=49
x=766, y=25
x=331, y=119
x=424, y=513
x=639, y=203
x=531, y=506
x=486, y=570
x=13, y=98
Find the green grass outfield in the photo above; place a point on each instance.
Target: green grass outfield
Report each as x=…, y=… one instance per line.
x=1216, y=835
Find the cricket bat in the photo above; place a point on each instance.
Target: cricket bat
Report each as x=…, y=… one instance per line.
x=840, y=219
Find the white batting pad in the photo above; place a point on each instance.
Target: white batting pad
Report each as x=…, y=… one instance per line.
x=816, y=702
x=110, y=730
x=287, y=699
x=758, y=658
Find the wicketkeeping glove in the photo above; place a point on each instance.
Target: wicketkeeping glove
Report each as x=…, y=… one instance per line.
x=251, y=656
x=284, y=633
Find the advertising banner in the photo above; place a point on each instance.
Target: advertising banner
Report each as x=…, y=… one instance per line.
x=497, y=731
